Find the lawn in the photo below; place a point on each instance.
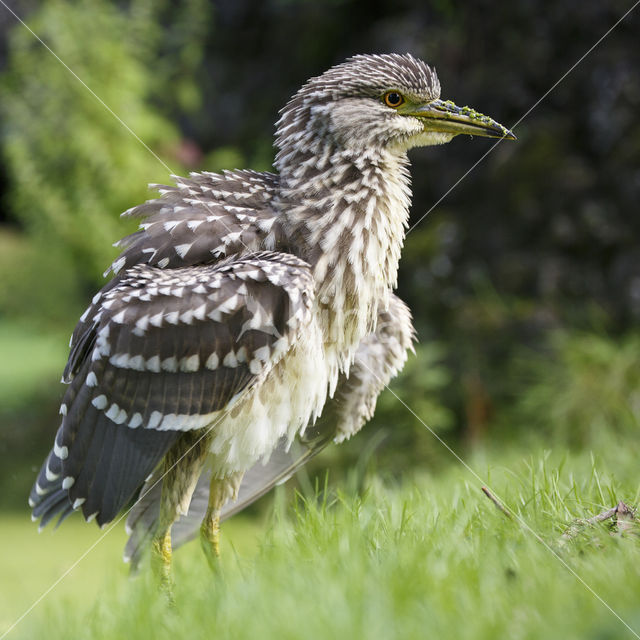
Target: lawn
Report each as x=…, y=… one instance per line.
x=427, y=557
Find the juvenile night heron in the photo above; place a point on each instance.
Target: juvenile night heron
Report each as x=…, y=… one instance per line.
x=251, y=319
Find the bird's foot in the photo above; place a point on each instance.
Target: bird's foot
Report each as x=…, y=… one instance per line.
x=210, y=540
x=161, y=563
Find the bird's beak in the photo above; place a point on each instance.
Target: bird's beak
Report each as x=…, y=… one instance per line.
x=445, y=116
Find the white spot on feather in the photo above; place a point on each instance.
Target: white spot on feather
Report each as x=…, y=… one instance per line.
x=141, y=325
x=262, y=353
x=255, y=366
x=113, y=412
x=230, y=360
x=119, y=317
x=190, y=364
x=61, y=452
x=187, y=316
x=183, y=249
x=232, y=237
x=254, y=274
x=120, y=360
x=156, y=320
x=170, y=364
x=99, y=402
x=137, y=363
x=118, y=264
x=215, y=315
x=229, y=305
x=154, y=419
x=136, y=420
x=50, y=475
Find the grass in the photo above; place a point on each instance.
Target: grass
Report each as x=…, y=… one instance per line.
x=430, y=557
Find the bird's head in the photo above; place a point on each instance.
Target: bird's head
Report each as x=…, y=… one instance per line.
x=376, y=102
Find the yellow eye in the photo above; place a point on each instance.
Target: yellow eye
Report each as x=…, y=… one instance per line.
x=393, y=99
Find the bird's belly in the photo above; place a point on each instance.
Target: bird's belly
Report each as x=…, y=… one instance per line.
x=290, y=397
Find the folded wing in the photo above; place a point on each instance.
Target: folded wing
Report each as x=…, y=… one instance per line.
x=160, y=352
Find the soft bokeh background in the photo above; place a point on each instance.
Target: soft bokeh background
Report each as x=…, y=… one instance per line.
x=524, y=280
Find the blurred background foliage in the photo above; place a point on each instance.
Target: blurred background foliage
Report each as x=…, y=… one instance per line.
x=524, y=280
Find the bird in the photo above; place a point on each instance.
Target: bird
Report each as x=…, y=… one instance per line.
x=251, y=319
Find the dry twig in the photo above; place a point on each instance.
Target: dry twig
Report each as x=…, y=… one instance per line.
x=623, y=521
x=497, y=502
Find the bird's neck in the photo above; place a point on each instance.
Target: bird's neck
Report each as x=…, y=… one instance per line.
x=348, y=212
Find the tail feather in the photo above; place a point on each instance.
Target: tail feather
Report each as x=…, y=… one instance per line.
x=113, y=460
x=110, y=496
x=64, y=513
x=142, y=521
x=50, y=505
x=93, y=452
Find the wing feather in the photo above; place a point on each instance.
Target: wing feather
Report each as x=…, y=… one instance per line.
x=203, y=218
x=142, y=383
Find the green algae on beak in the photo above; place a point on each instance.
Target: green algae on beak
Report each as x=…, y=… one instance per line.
x=445, y=116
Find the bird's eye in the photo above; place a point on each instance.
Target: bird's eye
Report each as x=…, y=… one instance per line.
x=393, y=99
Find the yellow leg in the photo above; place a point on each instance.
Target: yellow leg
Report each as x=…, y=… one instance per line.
x=161, y=562
x=221, y=490
x=210, y=537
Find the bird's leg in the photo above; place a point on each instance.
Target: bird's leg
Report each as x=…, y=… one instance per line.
x=221, y=490
x=161, y=558
x=183, y=464
x=210, y=536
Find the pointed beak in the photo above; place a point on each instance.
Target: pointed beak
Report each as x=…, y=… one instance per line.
x=446, y=117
